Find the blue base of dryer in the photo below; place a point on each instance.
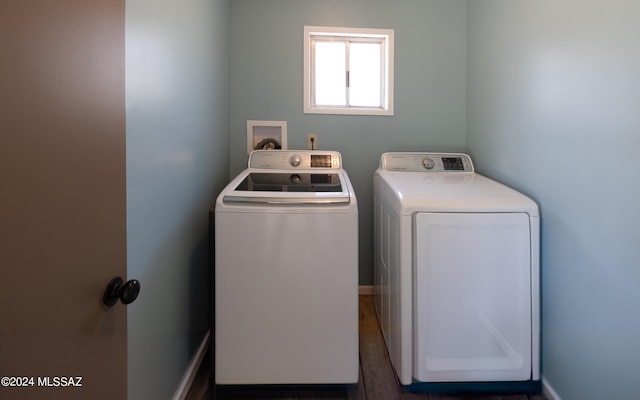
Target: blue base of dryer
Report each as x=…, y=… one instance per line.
x=524, y=387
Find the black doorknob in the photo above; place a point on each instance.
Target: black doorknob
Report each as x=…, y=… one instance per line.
x=116, y=289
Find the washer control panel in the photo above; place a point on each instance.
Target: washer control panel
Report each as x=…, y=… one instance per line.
x=426, y=162
x=295, y=159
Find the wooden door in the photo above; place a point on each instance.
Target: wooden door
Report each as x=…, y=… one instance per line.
x=62, y=199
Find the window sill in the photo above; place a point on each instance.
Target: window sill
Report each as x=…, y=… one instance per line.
x=349, y=111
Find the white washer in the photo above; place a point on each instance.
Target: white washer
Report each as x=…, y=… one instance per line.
x=286, y=272
x=456, y=272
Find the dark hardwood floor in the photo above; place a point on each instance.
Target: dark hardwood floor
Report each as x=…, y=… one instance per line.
x=377, y=379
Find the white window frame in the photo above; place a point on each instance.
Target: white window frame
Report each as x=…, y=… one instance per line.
x=385, y=36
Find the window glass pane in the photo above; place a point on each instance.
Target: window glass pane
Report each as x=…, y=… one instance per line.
x=364, y=74
x=330, y=67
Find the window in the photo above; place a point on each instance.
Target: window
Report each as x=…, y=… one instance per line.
x=348, y=71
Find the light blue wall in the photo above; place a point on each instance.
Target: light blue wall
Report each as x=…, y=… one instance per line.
x=430, y=87
x=554, y=110
x=177, y=162
x=541, y=91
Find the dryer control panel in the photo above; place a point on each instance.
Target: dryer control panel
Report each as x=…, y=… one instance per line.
x=426, y=162
x=295, y=159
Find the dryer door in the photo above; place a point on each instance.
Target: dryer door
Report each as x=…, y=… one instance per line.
x=472, y=297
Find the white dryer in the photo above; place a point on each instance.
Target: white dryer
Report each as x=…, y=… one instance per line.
x=286, y=272
x=456, y=272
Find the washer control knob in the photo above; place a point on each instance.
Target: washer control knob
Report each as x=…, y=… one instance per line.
x=295, y=160
x=428, y=163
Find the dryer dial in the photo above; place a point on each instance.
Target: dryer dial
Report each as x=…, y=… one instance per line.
x=428, y=163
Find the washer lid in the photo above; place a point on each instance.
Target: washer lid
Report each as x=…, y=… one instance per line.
x=297, y=182
x=289, y=187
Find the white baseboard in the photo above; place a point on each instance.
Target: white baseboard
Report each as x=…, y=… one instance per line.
x=192, y=369
x=548, y=391
x=364, y=290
